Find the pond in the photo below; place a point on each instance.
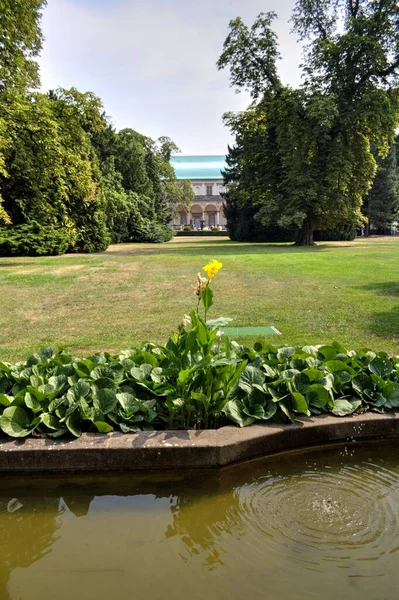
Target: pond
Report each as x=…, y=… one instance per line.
x=321, y=523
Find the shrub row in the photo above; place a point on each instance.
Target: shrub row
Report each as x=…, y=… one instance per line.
x=198, y=379
x=32, y=239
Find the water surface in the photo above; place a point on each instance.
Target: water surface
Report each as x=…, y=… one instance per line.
x=322, y=524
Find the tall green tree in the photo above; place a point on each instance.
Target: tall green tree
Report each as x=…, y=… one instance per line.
x=20, y=42
x=63, y=168
x=381, y=204
x=303, y=156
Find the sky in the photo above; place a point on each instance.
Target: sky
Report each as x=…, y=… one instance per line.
x=153, y=62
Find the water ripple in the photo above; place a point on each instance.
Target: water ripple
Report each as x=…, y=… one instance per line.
x=318, y=516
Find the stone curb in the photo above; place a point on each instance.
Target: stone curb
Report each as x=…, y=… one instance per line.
x=188, y=449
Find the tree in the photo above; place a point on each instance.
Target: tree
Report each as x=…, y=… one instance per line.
x=138, y=172
x=20, y=42
x=54, y=176
x=381, y=204
x=303, y=156
x=65, y=174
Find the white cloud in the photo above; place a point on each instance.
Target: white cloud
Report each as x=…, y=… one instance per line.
x=153, y=62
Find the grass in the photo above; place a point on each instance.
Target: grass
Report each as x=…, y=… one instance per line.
x=346, y=291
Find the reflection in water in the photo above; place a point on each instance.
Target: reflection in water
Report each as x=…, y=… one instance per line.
x=294, y=527
x=199, y=520
x=24, y=539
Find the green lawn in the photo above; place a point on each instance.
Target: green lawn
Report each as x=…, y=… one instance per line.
x=347, y=292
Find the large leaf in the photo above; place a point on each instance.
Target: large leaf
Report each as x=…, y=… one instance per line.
x=391, y=393
x=15, y=422
x=285, y=352
x=78, y=390
x=361, y=383
x=103, y=427
x=50, y=421
x=218, y=323
x=318, y=396
x=105, y=400
x=73, y=424
x=335, y=366
x=327, y=352
x=138, y=374
x=254, y=410
x=299, y=403
x=250, y=376
x=32, y=403
x=381, y=367
x=234, y=410
x=344, y=407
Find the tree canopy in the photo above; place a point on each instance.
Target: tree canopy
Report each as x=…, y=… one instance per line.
x=63, y=167
x=302, y=156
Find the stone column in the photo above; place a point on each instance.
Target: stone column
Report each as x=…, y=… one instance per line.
x=217, y=218
x=203, y=218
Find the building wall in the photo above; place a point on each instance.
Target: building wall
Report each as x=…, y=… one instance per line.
x=206, y=209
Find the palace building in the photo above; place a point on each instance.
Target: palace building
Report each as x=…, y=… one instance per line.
x=205, y=175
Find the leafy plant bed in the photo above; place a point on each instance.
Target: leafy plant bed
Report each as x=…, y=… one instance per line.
x=197, y=380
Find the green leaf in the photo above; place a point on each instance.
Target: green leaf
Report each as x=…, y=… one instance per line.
x=156, y=374
x=250, y=376
x=137, y=374
x=127, y=429
x=391, y=393
x=207, y=297
x=234, y=411
x=334, y=366
x=255, y=410
x=286, y=411
x=218, y=323
x=105, y=400
x=5, y=400
x=362, y=382
x=73, y=424
x=103, y=427
x=50, y=421
x=15, y=422
x=202, y=334
x=32, y=403
x=286, y=352
x=101, y=372
x=78, y=390
x=328, y=352
x=126, y=400
x=381, y=367
x=343, y=407
x=299, y=403
x=318, y=396
x=313, y=374
x=184, y=375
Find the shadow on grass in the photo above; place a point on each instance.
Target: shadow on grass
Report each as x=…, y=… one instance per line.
x=222, y=248
x=383, y=288
x=12, y=264
x=385, y=324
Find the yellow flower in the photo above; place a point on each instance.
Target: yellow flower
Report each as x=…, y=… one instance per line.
x=212, y=268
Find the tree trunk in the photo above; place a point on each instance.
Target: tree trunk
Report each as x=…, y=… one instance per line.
x=368, y=223
x=305, y=235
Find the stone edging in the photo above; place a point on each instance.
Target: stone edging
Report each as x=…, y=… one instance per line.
x=188, y=449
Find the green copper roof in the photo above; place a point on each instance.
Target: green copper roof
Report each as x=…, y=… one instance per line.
x=199, y=167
